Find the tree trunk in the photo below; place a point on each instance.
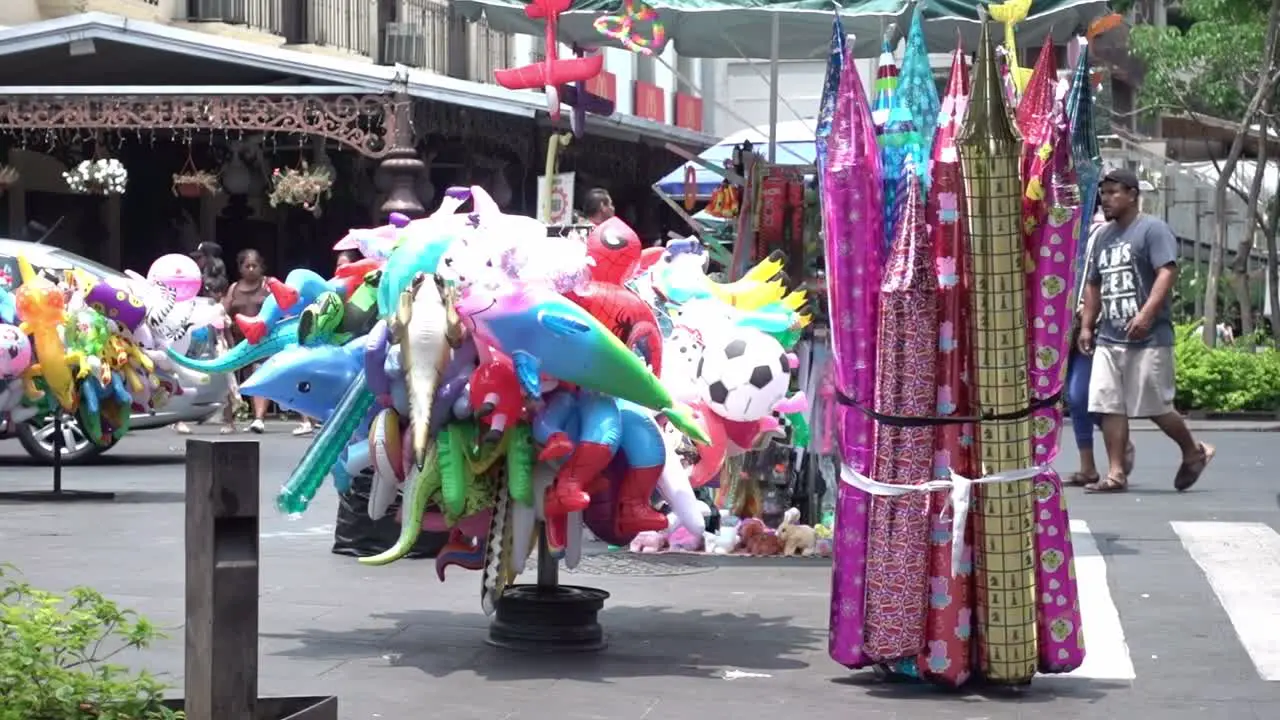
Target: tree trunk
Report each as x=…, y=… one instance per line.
x=1218, y=249
x=1273, y=277
x=1240, y=268
x=1240, y=279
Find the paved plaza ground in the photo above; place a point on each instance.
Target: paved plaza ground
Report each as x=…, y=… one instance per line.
x=690, y=637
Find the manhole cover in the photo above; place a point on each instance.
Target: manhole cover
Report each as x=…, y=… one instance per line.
x=619, y=563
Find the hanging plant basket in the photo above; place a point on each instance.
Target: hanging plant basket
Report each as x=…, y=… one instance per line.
x=303, y=186
x=193, y=183
x=8, y=177
x=101, y=176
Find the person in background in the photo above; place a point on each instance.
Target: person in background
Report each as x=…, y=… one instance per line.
x=208, y=257
x=1127, y=328
x=598, y=206
x=1079, y=367
x=346, y=257
x=309, y=424
x=245, y=297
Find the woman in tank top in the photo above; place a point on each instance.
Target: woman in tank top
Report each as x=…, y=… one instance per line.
x=245, y=297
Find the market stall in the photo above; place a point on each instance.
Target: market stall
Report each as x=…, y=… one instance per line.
x=516, y=382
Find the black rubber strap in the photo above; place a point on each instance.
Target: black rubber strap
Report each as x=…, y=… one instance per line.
x=985, y=416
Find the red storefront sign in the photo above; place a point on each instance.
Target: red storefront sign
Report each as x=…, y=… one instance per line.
x=650, y=102
x=688, y=112
x=605, y=85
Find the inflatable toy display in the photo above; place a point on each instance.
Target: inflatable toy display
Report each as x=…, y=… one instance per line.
x=94, y=348
x=501, y=378
x=178, y=273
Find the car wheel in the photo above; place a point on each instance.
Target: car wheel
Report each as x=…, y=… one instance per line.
x=36, y=436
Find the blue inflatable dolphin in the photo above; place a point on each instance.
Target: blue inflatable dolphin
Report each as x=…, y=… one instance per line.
x=309, y=380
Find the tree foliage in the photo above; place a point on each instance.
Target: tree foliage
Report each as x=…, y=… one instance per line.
x=1206, y=60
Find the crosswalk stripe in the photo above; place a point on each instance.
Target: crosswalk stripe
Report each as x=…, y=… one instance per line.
x=1242, y=564
x=1106, y=652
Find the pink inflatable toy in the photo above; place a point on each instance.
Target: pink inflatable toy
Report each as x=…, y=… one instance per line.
x=178, y=273
x=15, y=352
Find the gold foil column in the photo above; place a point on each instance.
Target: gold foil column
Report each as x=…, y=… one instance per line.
x=1003, y=523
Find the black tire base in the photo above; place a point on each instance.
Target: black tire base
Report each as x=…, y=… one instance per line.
x=558, y=619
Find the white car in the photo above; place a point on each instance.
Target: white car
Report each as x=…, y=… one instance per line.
x=202, y=397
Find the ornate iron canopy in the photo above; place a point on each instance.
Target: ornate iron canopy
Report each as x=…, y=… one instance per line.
x=364, y=123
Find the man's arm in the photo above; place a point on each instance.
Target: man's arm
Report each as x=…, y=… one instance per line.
x=1162, y=250
x=1092, y=304
x=1166, y=276
x=1091, y=292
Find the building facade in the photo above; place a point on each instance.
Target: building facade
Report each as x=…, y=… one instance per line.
x=395, y=97
x=421, y=34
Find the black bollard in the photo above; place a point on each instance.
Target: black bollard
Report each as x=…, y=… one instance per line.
x=222, y=552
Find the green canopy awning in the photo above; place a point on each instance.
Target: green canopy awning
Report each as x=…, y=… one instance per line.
x=743, y=28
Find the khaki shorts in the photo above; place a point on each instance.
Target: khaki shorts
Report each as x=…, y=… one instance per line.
x=1133, y=381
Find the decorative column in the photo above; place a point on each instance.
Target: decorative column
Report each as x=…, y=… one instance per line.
x=402, y=166
x=458, y=45
x=295, y=21
x=385, y=14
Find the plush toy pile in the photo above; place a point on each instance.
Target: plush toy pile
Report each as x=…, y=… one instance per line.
x=499, y=378
x=739, y=537
x=94, y=348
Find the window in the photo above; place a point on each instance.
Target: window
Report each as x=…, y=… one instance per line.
x=646, y=70
x=687, y=80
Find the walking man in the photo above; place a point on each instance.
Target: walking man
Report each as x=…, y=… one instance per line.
x=1126, y=326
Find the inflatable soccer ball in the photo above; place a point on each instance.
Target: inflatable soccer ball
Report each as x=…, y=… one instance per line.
x=742, y=376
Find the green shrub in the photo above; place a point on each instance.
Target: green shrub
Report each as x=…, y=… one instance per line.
x=55, y=657
x=1245, y=376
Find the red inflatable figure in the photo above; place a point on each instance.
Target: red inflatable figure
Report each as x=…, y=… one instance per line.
x=552, y=72
x=626, y=315
x=254, y=329
x=353, y=273
x=616, y=249
x=496, y=397
x=616, y=252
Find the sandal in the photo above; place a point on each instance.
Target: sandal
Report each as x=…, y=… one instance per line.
x=1079, y=479
x=1130, y=453
x=1189, y=473
x=227, y=430
x=1109, y=484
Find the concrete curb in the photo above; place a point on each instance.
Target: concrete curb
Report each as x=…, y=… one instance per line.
x=1220, y=426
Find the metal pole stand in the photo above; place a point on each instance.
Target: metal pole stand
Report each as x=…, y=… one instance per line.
x=57, y=494
x=548, y=617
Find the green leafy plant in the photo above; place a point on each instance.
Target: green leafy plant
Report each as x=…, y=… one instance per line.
x=303, y=186
x=56, y=656
x=192, y=183
x=8, y=176
x=1240, y=377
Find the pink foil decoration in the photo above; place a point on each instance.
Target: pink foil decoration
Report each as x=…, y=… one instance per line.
x=906, y=386
x=947, y=658
x=1051, y=249
x=854, y=236
x=1036, y=110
